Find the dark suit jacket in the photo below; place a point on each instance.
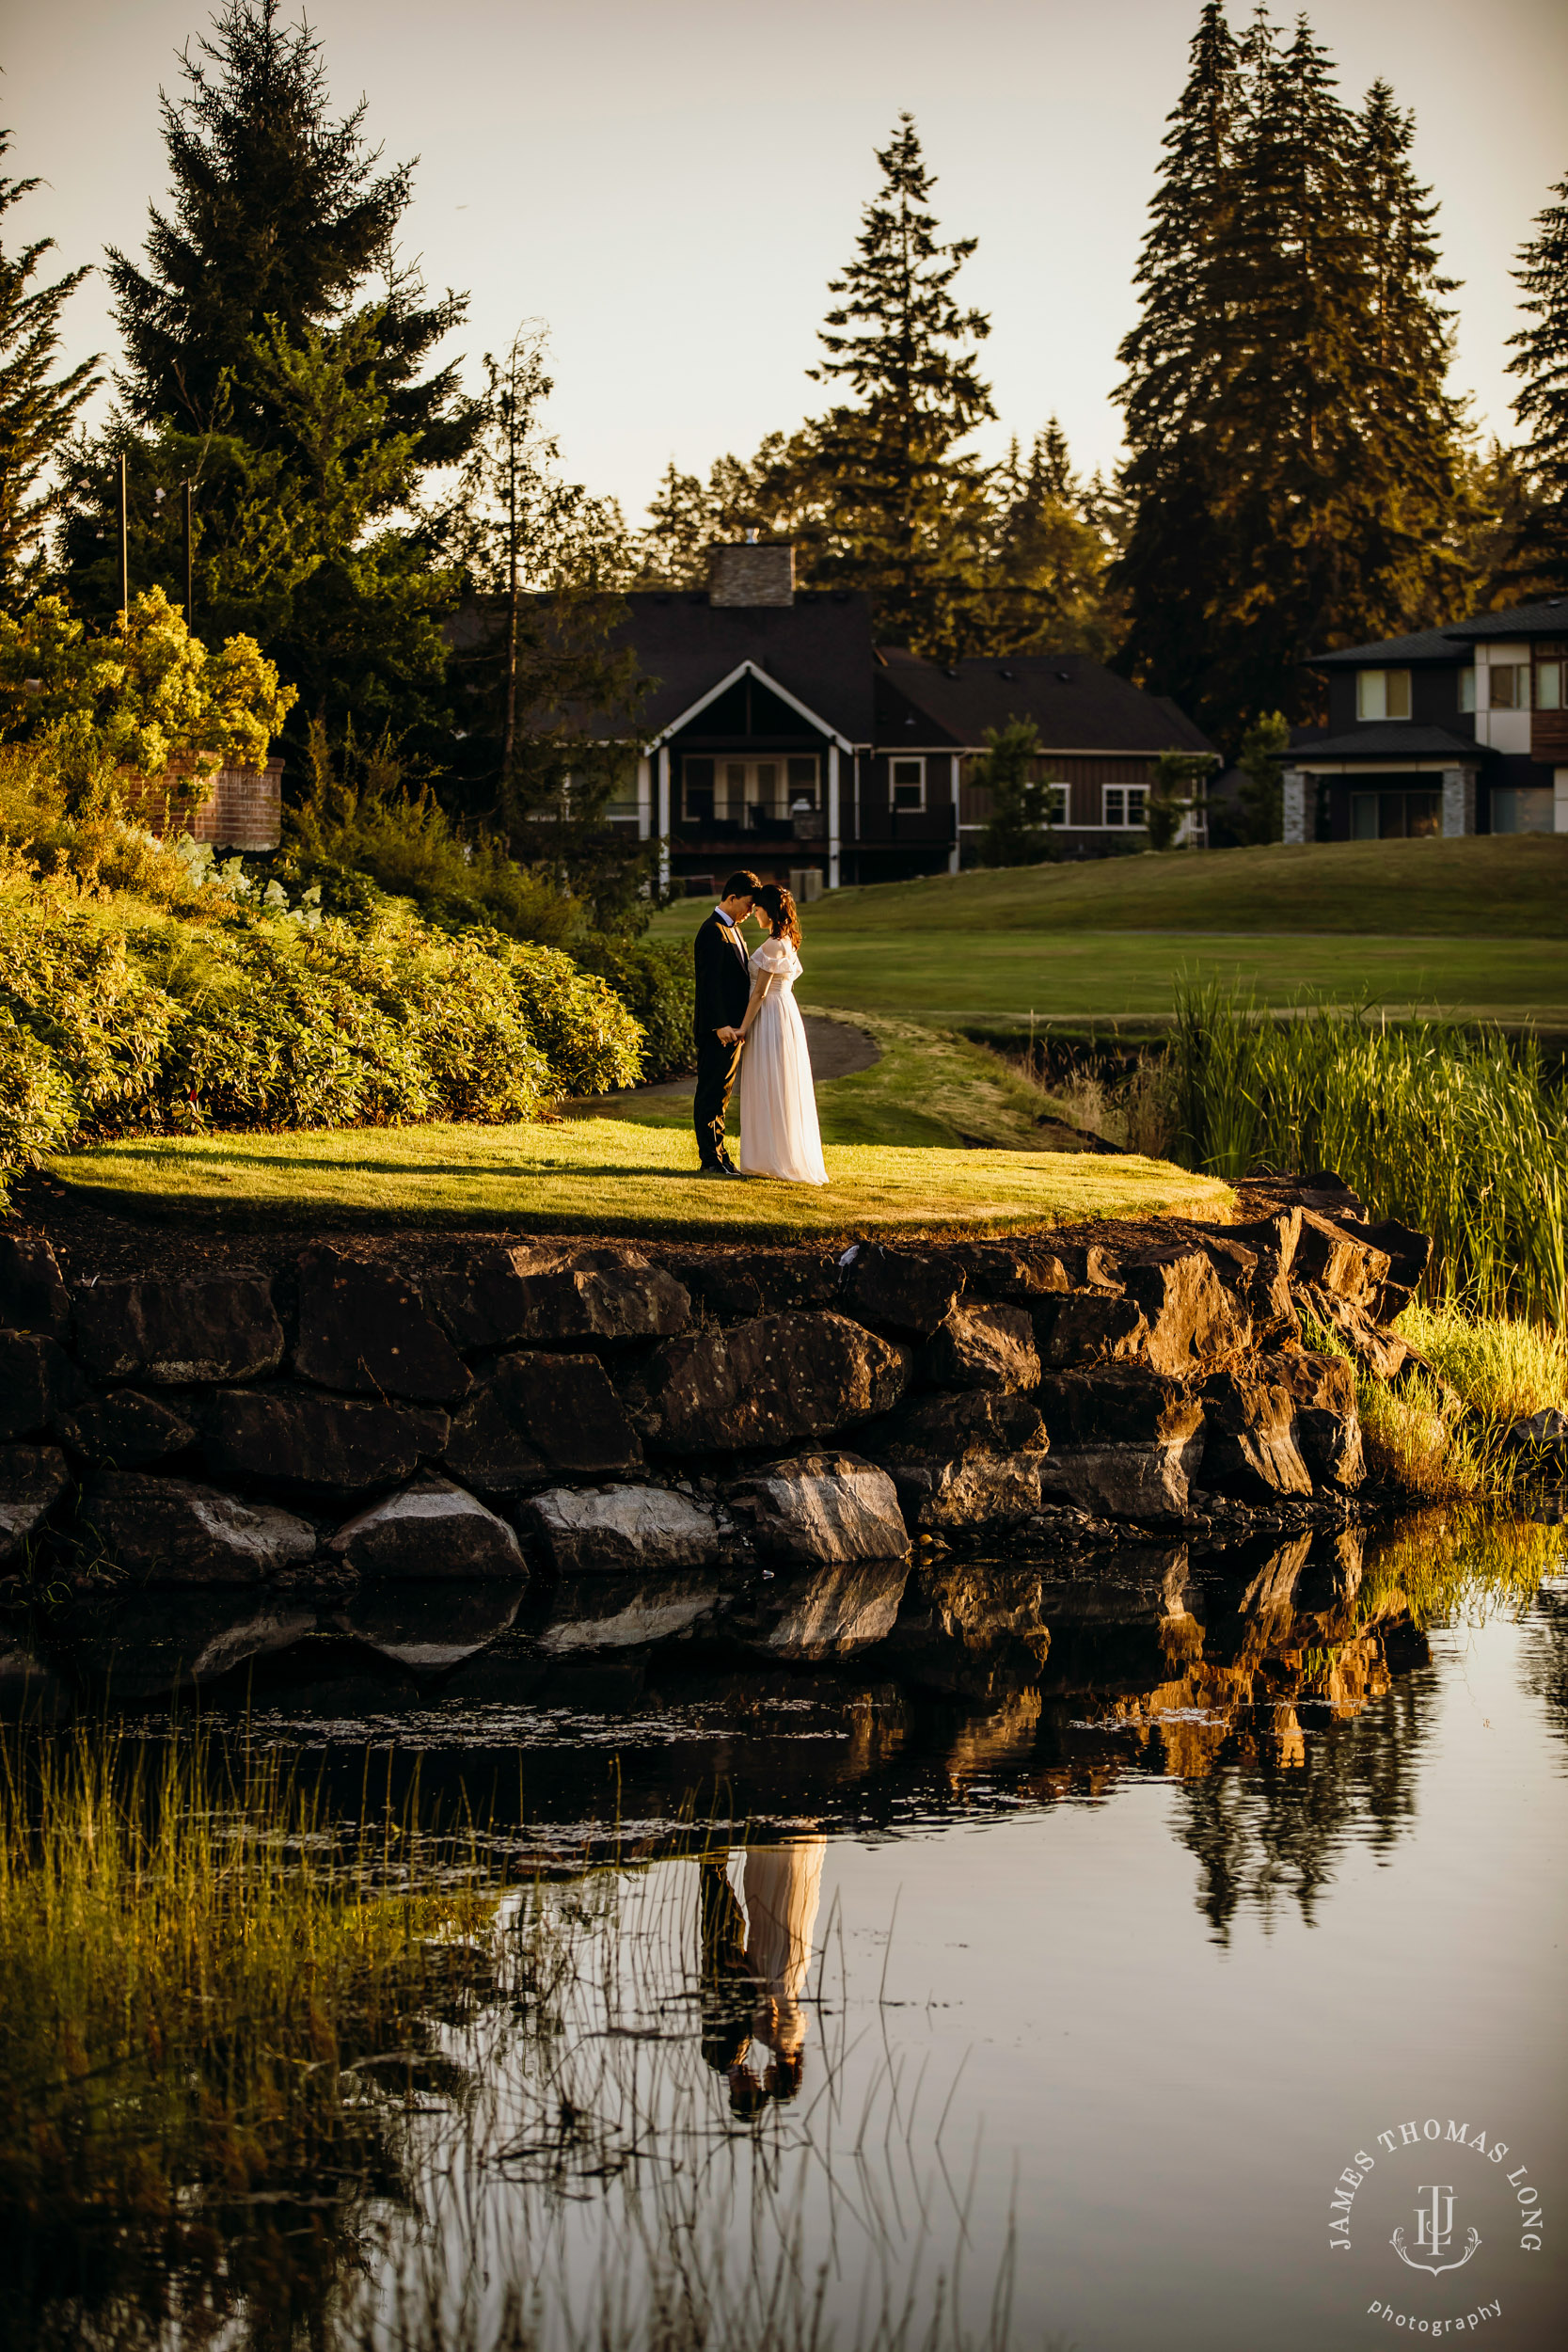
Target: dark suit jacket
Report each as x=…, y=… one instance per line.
x=723, y=979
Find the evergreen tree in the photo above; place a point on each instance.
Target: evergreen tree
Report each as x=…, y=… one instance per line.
x=1539, y=563
x=37, y=407
x=1264, y=749
x=902, y=510
x=278, y=212
x=1178, y=360
x=1045, y=559
x=1296, y=466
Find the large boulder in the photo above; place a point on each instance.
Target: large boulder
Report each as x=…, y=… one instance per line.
x=606, y=1298
x=125, y=1430
x=32, y=1480
x=1327, y=1425
x=364, y=1327
x=1087, y=1327
x=1016, y=1277
x=905, y=1291
x=1254, y=1262
x=622, y=1530
x=1124, y=1441
x=540, y=1419
x=171, y=1531
x=1250, y=1449
x=1385, y=1354
x=982, y=1347
x=313, y=1445
x=38, y=1383
x=1193, y=1320
x=32, y=1293
x=738, y=1284
x=822, y=1507
x=1336, y=1257
x=768, y=1383
x=220, y=1326
x=829, y=1611
x=1409, y=1254
x=966, y=1461
x=431, y=1529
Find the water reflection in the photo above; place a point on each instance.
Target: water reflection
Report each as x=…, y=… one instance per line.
x=623, y=2075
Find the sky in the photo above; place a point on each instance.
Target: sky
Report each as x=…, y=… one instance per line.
x=669, y=186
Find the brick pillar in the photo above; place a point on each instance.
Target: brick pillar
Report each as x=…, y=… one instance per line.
x=1294, y=799
x=1459, y=801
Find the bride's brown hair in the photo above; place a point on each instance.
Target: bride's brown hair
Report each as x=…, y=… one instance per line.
x=779, y=906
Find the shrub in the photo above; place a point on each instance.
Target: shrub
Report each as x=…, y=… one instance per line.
x=116, y=1019
x=659, y=986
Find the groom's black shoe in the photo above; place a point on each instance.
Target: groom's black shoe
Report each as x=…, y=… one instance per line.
x=713, y=1167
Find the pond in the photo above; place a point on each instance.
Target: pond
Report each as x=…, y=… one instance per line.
x=1192, y=1977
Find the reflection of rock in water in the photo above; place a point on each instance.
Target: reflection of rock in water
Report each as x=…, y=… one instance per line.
x=1545, y=1667
x=145, y=1645
x=430, y=1627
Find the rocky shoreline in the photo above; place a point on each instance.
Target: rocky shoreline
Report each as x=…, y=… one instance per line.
x=540, y=1413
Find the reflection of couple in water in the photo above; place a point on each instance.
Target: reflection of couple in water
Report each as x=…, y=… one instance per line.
x=758, y=1908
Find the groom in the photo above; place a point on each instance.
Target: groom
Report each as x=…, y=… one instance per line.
x=723, y=991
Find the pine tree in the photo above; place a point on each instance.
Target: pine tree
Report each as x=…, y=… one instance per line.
x=1540, y=560
x=37, y=407
x=902, y=508
x=278, y=212
x=1044, y=574
x=1296, y=461
x=1176, y=359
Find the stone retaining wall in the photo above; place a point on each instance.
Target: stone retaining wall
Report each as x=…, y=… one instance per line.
x=542, y=1410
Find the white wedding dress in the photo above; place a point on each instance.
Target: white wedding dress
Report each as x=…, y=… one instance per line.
x=779, y=1135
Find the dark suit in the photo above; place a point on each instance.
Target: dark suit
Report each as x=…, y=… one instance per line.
x=724, y=993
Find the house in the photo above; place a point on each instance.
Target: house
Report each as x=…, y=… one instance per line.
x=779, y=735
x=1456, y=730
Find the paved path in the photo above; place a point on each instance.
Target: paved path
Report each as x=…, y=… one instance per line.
x=838, y=1049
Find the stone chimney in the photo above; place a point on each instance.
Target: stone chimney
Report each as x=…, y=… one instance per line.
x=757, y=572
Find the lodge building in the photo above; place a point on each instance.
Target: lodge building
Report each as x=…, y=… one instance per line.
x=1460, y=730
x=780, y=735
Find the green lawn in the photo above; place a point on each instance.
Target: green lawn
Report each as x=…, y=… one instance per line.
x=929, y=1088
x=609, y=1176
x=1477, y=928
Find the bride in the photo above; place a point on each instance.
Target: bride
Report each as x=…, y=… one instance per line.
x=778, y=1134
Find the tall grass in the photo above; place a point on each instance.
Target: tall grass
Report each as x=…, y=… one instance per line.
x=1457, y=1134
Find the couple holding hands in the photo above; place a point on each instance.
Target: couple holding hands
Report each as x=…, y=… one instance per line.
x=749, y=1027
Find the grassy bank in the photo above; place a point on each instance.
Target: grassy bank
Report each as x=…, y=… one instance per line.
x=1477, y=928
x=606, y=1176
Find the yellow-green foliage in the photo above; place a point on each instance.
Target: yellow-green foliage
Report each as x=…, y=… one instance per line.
x=147, y=693
x=119, y=1019
x=1501, y=1371
x=1417, y=1440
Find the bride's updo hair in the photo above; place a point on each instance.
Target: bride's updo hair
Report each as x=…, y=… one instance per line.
x=774, y=901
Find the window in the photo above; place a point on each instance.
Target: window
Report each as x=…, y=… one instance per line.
x=1549, y=667
x=803, y=783
x=1468, y=689
x=1523, y=808
x=1383, y=694
x=697, y=791
x=1508, y=686
x=907, y=783
x=1058, y=808
x=1395, y=816
x=1124, y=803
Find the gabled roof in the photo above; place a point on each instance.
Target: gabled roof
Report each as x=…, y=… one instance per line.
x=1077, y=703
x=1392, y=739
x=818, y=650
x=1547, y=619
